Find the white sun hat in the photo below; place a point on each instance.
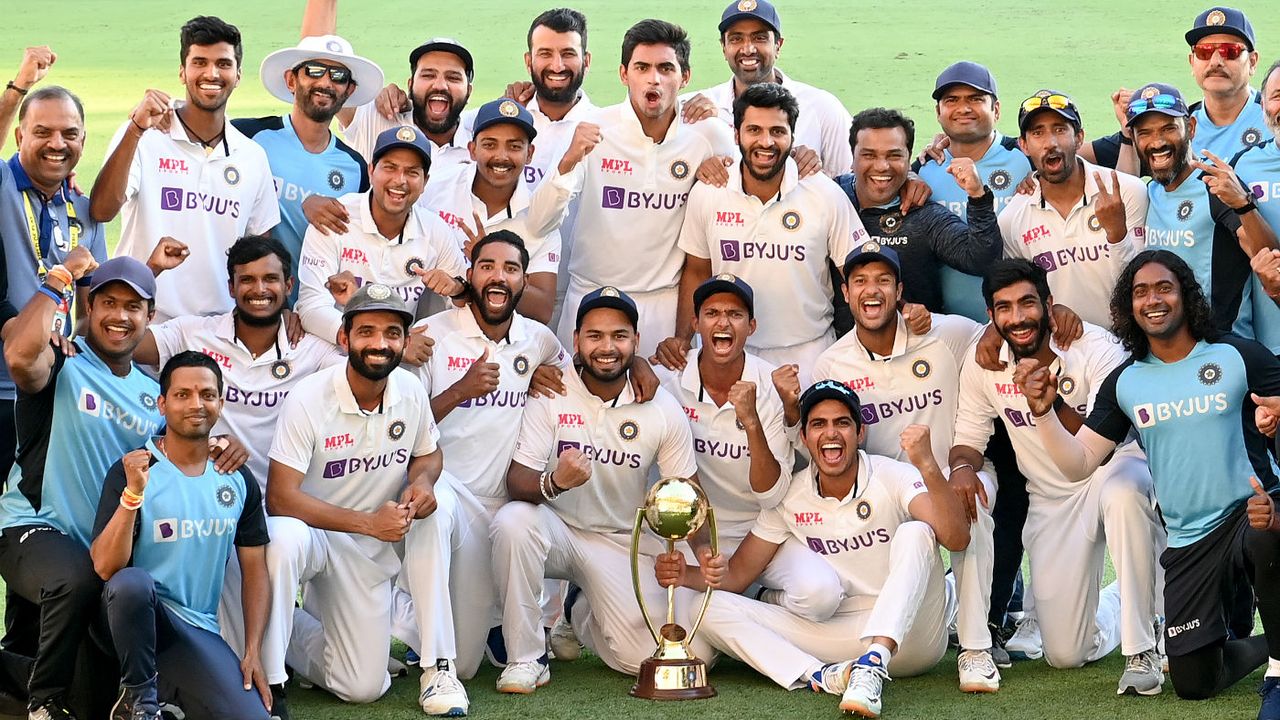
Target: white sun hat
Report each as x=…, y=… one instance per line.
x=366, y=73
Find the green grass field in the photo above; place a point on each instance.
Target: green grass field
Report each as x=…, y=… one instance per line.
x=867, y=52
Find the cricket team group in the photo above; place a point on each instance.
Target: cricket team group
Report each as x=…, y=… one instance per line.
x=409, y=375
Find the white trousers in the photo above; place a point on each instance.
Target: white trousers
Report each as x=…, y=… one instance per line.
x=973, y=567
x=913, y=609
x=657, y=311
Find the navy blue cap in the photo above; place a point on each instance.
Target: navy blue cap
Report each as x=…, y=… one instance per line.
x=968, y=73
x=829, y=390
x=1054, y=100
x=725, y=283
x=405, y=136
x=1155, y=97
x=761, y=10
x=444, y=44
x=504, y=110
x=870, y=251
x=1221, y=20
x=608, y=297
x=128, y=271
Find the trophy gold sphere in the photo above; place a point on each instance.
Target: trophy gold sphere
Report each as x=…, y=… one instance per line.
x=675, y=508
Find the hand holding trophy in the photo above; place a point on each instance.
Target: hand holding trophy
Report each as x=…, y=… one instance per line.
x=674, y=509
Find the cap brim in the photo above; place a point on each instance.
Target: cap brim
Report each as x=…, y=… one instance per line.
x=853, y=403
x=379, y=152
x=529, y=130
x=1163, y=111
x=867, y=257
x=368, y=76
x=613, y=303
x=937, y=92
x=404, y=314
x=1194, y=35
x=1022, y=122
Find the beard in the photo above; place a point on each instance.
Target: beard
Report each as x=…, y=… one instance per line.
x=360, y=363
x=778, y=166
x=449, y=122
x=260, y=321
x=316, y=113
x=623, y=366
x=564, y=95
x=476, y=297
x=1181, y=151
x=1026, y=351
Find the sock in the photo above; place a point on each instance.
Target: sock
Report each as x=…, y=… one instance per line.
x=880, y=650
x=1273, y=667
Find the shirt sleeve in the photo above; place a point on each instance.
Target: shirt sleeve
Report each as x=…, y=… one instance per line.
x=908, y=484
x=170, y=338
x=675, y=449
x=537, y=434
x=971, y=246
x=135, y=166
x=545, y=257
x=975, y=415
x=771, y=526
x=1012, y=248
x=265, y=213
x=958, y=333
x=445, y=238
x=1106, y=418
x=315, y=306
x=1261, y=367
x=1107, y=355
x=846, y=227
x=362, y=131
x=251, y=529
x=428, y=431
x=836, y=153
x=693, y=230
x=549, y=203
x=1134, y=193
x=295, y=437
x=1106, y=151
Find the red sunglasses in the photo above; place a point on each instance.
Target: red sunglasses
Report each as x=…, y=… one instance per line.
x=1228, y=50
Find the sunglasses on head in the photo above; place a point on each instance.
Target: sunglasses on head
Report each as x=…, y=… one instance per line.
x=315, y=71
x=1163, y=101
x=1057, y=102
x=1228, y=50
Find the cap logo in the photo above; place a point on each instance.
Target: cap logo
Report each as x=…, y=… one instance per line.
x=1148, y=93
x=1217, y=17
x=508, y=109
x=1042, y=93
x=727, y=277
x=333, y=46
x=406, y=134
x=377, y=291
x=609, y=291
x=870, y=246
x=746, y=5
x=791, y=220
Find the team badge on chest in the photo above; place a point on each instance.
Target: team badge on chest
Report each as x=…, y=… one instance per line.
x=1066, y=385
x=890, y=222
x=147, y=401
x=521, y=365
x=231, y=175
x=1094, y=223
x=791, y=220
x=999, y=180
x=336, y=179
x=921, y=368
x=413, y=265
x=1209, y=374
x=226, y=496
x=395, y=430
x=1185, y=208
x=281, y=369
x=863, y=510
x=629, y=430
x=679, y=169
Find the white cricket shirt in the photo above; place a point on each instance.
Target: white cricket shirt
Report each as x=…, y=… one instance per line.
x=362, y=134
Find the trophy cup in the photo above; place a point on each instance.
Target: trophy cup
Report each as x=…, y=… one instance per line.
x=674, y=509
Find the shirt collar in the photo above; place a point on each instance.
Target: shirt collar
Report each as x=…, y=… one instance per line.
x=468, y=326
x=691, y=376
x=230, y=142
x=626, y=397
x=225, y=330
x=790, y=179
x=22, y=181
x=518, y=203
x=347, y=400
x=579, y=111
x=412, y=225
x=899, y=340
x=1090, y=187
x=631, y=122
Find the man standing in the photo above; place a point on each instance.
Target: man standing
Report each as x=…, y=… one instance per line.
x=318, y=77
x=580, y=469
x=179, y=170
x=390, y=241
x=75, y=415
x=877, y=522
x=1211, y=221
x=1219, y=532
x=163, y=567
x=1259, y=168
x=751, y=39
x=637, y=180
x=777, y=231
x=354, y=463
x=1070, y=520
x=931, y=238
x=1079, y=226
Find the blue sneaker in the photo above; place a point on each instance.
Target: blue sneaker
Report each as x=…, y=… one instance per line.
x=411, y=658
x=1270, y=692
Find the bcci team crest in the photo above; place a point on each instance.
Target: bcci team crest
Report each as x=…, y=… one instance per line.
x=378, y=291
x=413, y=265
x=1184, y=210
x=629, y=430
x=406, y=134
x=1000, y=180
x=870, y=246
x=1252, y=136
x=1209, y=374
x=281, y=369
x=679, y=169
x=396, y=430
x=890, y=222
x=791, y=220
x=746, y=5
x=921, y=368
x=521, y=365
x=1066, y=385
x=231, y=175
x=147, y=401
x=508, y=109
x=727, y=277
x=863, y=509
x=226, y=496
x=336, y=179
x=609, y=291
x=1094, y=223
x=1150, y=92
x=1217, y=17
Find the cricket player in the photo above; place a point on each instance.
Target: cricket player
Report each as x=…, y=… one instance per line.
x=877, y=522
x=1260, y=169
x=1070, y=521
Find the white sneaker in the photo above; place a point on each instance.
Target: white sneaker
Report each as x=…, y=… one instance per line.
x=563, y=643
x=1025, y=643
x=833, y=678
x=978, y=671
x=866, y=681
x=440, y=691
x=1142, y=674
x=523, y=678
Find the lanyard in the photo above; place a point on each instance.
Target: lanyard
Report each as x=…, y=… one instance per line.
x=33, y=225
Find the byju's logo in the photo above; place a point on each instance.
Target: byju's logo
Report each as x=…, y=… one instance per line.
x=335, y=469
x=731, y=250
x=177, y=200
x=615, y=198
x=166, y=530
x=89, y=403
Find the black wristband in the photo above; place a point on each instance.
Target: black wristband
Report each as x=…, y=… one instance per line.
x=551, y=480
x=15, y=88
x=466, y=286
x=1246, y=208
x=1124, y=140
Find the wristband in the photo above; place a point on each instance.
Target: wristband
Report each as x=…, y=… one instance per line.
x=1246, y=208
x=1125, y=140
x=466, y=286
x=50, y=293
x=60, y=272
x=12, y=86
x=141, y=130
x=961, y=466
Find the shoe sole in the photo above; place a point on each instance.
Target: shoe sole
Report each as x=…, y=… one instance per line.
x=1131, y=690
x=1020, y=655
x=858, y=709
x=978, y=688
x=510, y=690
x=451, y=712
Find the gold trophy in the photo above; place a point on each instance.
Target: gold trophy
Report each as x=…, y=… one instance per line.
x=674, y=509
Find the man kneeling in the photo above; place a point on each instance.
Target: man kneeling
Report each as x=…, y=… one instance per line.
x=878, y=523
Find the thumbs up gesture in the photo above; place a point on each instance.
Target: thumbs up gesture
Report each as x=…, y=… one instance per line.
x=480, y=379
x=1261, y=508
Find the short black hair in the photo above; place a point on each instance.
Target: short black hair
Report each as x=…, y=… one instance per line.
x=50, y=92
x=882, y=118
x=209, y=30
x=766, y=95
x=1010, y=272
x=657, y=32
x=1195, y=305
x=561, y=20
x=188, y=358
x=255, y=247
x=502, y=236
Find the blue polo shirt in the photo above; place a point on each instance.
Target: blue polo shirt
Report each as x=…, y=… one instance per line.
x=1259, y=168
x=54, y=240
x=299, y=174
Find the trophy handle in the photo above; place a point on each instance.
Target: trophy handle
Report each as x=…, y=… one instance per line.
x=706, y=596
x=635, y=573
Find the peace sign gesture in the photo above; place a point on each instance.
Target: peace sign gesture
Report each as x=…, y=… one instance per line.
x=1109, y=207
x=1222, y=181
x=473, y=236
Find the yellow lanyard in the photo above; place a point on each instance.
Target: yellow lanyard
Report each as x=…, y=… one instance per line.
x=33, y=224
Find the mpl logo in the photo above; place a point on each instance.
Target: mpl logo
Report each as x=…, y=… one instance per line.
x=615, y=166
x=807, y=518
x=165, y=530
x=570, y=420
x=218, y=357
x=338, y=442
x=858, y=384
x=178, y=200
x=729, y=219
x=89, y=403
x=460, y=363
x=172, y=165
x=354, y=255
x=692, y=413
x=1149, y=414
x=1034, y=234
x=453, y=220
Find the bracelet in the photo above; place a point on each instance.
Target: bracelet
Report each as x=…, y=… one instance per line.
x=12, y=86
x=545, y=485
x=131, y=494
x=50, y=293
x=129, y=500
x=60, y=272
x=141, y=130
x=962, y=465
x=466, y=286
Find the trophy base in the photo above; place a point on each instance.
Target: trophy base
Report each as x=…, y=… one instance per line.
x=663, y=679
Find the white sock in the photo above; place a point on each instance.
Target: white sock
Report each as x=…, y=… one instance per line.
x=1273, y=667
x=882, y=651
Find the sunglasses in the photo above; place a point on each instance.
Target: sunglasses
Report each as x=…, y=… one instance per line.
x=1057, y=102
x=315, y=71
x=1163, y=101
x=1228, y=50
